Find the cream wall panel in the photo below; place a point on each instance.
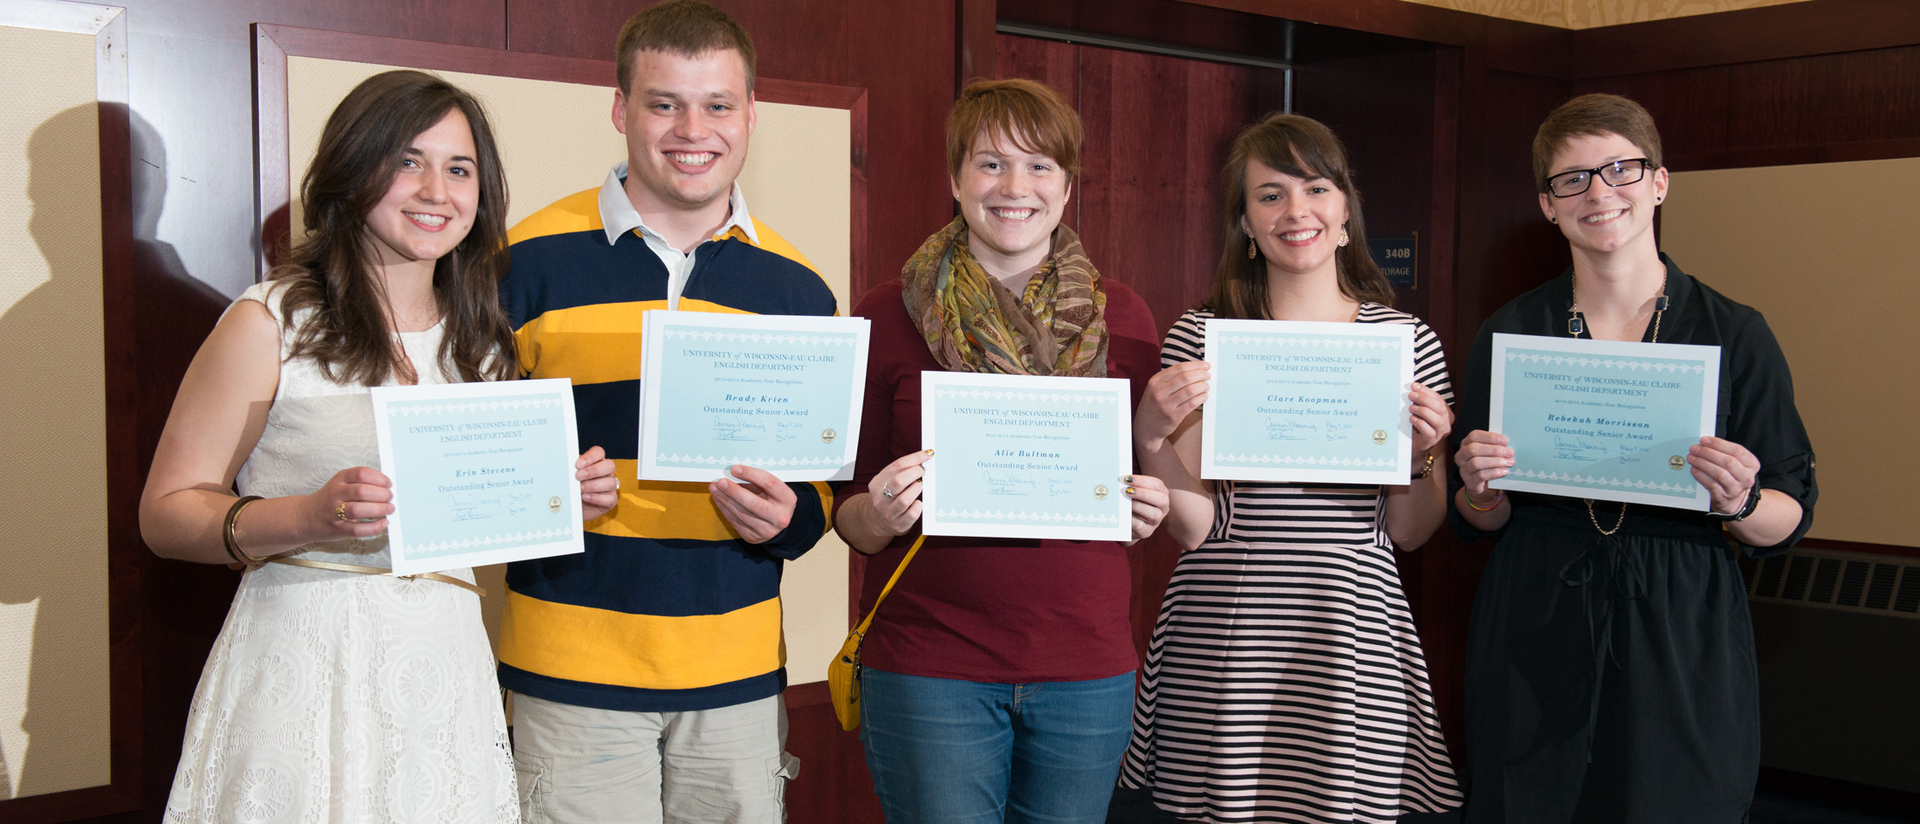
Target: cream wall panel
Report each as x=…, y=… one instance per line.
x=1543, y=12
x=1834, y=275
x=558, y=138
x=1586, y=14
x=54, y=725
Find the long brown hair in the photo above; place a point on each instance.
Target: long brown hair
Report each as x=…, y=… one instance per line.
x=331, y=272
x=1305, y=148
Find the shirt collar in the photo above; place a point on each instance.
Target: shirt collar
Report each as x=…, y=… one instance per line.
x=619, y=217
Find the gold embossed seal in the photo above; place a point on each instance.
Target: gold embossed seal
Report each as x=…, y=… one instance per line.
x=828, y=436
x=1100, y=492
x=1678, y=463
x=1379, y=437
x=553, y=504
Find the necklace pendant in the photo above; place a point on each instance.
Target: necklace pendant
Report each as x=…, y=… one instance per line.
x=1660, y=304
x=1576, y=325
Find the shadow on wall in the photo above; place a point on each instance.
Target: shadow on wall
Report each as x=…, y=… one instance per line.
x=50, y=353
x=51, y=356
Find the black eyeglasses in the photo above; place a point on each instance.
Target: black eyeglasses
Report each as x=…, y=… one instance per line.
x=1617, y=173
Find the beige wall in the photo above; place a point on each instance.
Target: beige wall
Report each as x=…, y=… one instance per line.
x=1825, y=251
x=558, y=138
x=1586, y=14
x=53, y=590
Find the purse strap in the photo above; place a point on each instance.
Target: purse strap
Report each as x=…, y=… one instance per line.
x=864, y=622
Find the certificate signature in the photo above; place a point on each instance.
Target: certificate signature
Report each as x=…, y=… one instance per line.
x=1287, y=429
x=1010, y=484
x=737, y=428
x=487, y=504
x=1590, y=450
x=1573, y=448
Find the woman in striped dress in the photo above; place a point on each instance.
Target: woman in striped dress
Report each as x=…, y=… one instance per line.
x=1285, y=680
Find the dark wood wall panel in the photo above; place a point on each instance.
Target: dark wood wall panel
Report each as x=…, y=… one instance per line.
x=1848, y=106
x=834, y=786
x=1150, y=207
x=1506, y=248
x=1787, y=30
x=1327, y=29
x=1382, y=108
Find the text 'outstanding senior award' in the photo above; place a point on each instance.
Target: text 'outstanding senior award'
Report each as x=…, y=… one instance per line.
x=1020, y=456
x=1607, y=420
x=482, y=472
x=775, y=392
x=1306, y=401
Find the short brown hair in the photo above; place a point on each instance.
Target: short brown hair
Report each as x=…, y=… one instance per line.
x=1012, y=111
x=1305, y=148
x=688, y=28
x=1596, y=115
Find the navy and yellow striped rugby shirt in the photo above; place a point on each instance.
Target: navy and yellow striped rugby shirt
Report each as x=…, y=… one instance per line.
x=668, y=610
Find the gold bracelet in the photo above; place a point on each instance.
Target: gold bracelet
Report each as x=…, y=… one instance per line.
x=226, y=532
x=1497, y=500
x=1427, y=470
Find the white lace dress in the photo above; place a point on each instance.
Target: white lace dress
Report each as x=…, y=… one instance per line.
x=339, y=697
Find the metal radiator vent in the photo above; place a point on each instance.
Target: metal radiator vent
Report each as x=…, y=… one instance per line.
x=1826, y=579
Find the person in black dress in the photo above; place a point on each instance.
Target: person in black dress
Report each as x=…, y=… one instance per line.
x=1610, y=658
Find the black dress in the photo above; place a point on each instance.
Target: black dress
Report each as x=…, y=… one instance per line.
x=1612, y=679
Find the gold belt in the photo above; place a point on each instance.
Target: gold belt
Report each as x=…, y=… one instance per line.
x=371, y=570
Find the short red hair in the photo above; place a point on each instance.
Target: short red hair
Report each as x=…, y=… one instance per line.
x=1022, y=113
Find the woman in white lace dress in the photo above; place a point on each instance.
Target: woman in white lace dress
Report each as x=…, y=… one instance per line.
x=345, y=695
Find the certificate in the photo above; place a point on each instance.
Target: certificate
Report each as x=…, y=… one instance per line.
x=1302, y=401
x=1608, y=420
x=482, y=472
x=1017, y=456
x=775, y=392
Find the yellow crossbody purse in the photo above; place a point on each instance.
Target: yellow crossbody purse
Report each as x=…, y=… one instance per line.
x=843, y=675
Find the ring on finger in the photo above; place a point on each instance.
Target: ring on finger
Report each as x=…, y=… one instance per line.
x=886, y=491
x=340, y=511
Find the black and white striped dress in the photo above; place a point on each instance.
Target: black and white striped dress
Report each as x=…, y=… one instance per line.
x=1285, y=680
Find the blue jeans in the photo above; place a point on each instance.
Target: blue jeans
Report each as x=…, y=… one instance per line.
x=944, y=751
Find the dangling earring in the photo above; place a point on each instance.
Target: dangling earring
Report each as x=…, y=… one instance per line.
x=1253, y=250
x=1343, y=235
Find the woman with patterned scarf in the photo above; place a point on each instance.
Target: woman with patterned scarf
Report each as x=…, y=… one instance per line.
x=998, y=681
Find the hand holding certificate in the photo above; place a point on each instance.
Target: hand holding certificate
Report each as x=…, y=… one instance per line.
x=483, y=473
x=1606, y=420
x=1300, y=401
x=775, y=392
x=1027, y=457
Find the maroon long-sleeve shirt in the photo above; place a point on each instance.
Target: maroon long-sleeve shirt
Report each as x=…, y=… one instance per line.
x=982, y=609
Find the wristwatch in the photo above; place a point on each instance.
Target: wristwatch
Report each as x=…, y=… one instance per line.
x=1753, y=502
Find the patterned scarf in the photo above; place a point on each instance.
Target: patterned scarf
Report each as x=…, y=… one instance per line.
x=1057, y=325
